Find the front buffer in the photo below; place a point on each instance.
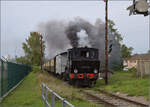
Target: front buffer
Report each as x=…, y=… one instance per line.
x=83, y=79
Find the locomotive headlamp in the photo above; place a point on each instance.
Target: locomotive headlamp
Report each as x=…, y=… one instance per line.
x=95, y=71
x=75, y=71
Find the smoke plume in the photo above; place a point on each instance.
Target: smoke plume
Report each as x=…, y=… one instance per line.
x=55, y=37
x=83, y=39
x=61, y=35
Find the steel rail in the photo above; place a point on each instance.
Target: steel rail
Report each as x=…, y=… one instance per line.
x=123, y=98
x=112, y=95
x=98, y=98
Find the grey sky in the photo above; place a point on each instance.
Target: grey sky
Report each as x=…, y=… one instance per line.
x=18, y=19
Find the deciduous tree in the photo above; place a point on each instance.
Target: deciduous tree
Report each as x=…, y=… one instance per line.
x=126, y=52
x=32, y=48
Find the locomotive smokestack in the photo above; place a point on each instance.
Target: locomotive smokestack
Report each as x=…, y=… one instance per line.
x=71, y=32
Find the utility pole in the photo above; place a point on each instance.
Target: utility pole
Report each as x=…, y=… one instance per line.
x=106, y=42
x=41, y=61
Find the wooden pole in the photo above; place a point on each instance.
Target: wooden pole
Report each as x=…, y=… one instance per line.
x=106, y=42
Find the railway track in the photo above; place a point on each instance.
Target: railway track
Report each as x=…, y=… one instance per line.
x=111, y=100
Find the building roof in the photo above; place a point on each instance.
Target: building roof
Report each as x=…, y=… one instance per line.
x=139, y=57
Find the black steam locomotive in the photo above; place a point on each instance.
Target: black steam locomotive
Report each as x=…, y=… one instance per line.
x=79, y=66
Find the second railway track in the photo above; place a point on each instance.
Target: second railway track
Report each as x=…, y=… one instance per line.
x=111, y=100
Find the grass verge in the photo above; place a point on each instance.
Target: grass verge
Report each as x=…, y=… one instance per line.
x=28, y=93
x=25, y=95
x=70, y=93
x=126, y=82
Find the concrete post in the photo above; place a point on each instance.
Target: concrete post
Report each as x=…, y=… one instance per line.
x=53, y=100
x=42, y=92
x=64, y=104
x=45, y=96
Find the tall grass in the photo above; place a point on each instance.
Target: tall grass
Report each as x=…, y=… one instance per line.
x=126, y=82
x=65, y=90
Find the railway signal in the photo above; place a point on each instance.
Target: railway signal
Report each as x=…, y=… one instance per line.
x=110, y=48
x=139, y=7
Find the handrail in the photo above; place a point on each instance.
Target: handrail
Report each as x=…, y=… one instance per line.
x=44, y=93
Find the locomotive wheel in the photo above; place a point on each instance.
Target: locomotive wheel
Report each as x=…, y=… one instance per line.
x=61, y=76
x=64, y=77
x=76, y=83
x=71, y=82
x=91, y=84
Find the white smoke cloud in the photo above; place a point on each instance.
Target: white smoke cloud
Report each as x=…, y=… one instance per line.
x=83, y=39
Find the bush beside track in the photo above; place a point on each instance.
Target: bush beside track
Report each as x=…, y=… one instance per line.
x=126, y=82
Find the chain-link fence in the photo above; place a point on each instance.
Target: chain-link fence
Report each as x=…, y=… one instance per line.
x=10, y=75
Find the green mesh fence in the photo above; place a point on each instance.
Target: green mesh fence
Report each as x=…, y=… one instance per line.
x=10, y=75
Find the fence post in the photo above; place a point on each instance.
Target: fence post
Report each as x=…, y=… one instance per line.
x=42, y=92
x=64, y=104
x=0, y=79
x=45, y=96
x=53, y=100
x=2, y=69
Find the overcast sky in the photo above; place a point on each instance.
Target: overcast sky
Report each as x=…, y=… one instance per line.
x=18, y=19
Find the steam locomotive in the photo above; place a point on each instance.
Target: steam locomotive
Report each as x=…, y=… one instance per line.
x=79, y=66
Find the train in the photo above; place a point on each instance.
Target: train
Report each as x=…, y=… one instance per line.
x=78, y=66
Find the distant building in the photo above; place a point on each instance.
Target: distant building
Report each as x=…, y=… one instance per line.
x=133, y=60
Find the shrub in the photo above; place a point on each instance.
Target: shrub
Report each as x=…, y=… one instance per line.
x=36, y=68
x=133, y=69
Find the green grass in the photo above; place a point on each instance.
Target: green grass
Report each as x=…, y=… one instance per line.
x=78, y=103
x=28, y=93
x=70, y=93
x=126, y=82
x=25, y=95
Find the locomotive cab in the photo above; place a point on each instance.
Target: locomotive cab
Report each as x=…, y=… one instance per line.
x=83, y=66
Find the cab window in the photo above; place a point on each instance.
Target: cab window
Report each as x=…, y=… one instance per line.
x=85, y=54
